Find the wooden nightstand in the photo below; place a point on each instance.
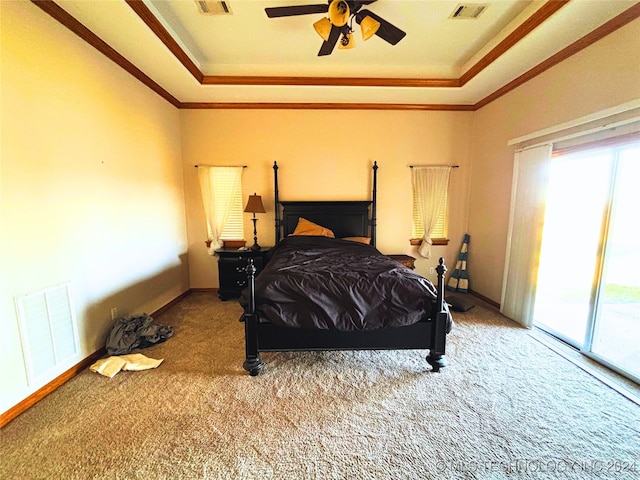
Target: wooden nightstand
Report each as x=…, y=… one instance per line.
x=231, y=269
x=406, y=260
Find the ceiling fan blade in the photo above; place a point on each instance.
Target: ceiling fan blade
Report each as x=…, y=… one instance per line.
x=328, y=45
x=275, y=12
x=357, y=4
x=388, y=32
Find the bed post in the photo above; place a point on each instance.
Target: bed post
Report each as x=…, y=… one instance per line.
x=252, y=364
x=277, y=201
x=440, y=318
x=374, y=203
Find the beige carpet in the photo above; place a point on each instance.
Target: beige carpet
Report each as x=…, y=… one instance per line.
x=505, y=407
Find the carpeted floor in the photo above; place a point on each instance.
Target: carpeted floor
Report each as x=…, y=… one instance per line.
x=505, y=407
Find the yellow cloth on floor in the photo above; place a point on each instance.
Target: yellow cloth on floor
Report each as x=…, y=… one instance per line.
x=134, y=361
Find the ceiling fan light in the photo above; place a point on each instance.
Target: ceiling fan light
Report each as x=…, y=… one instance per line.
x=369, y=26
x=339, y=12
x=347, y=41
x=323, y=27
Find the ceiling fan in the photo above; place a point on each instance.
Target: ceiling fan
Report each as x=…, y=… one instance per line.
x=338, y=24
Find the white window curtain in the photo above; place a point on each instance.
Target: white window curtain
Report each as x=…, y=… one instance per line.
x=220, y=187
x=530, y=180
x=430, y=188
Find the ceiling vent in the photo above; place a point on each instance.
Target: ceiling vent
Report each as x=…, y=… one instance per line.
x=211, y=7
x=469, y=10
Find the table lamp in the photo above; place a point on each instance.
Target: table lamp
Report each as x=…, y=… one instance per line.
x=254, y=205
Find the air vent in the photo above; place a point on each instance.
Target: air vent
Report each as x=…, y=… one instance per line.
x=48, y=330
x=469, y=10
x=211, y=7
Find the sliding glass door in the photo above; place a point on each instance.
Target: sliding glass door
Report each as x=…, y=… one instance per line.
x=588, y=288
x=616, y=330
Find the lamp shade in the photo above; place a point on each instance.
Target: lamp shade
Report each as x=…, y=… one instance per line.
x=323, y=27
x=254, y=205
x=369, y=26
x=347, y=41
x=339, y=12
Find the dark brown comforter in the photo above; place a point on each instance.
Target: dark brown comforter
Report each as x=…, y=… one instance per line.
x=328, y=283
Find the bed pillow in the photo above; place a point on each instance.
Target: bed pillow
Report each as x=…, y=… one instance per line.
x=459, y=303
x=305, y=227
x=365, y=240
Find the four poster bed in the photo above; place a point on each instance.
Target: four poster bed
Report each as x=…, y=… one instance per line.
x=326, y=287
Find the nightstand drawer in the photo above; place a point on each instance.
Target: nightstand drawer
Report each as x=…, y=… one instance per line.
x=233, y=274
x=232, y=264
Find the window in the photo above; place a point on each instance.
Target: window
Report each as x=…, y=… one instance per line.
x=439, y=229
x=532, y=166
x=595, y=220
x=221, y=189
x=227, y=193
x=430, y=204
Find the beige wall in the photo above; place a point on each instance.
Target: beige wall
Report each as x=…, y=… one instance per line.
x=326, y=155
x=91, y=185
x=603, y=75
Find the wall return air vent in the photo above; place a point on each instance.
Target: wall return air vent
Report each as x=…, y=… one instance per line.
x=48, y=330
x=469, y=10
x=212, y=7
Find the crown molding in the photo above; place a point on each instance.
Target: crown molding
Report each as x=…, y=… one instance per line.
x=542, y=14
x=325, y=106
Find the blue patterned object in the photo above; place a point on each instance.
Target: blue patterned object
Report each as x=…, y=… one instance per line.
x=459, y=281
